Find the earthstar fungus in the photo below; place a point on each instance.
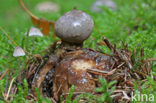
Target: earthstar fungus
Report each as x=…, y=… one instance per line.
x=74, y=26
x=67, y=63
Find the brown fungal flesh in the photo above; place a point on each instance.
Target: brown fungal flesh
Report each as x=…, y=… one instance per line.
x=73, y=70
x=58, y=74
x=40, y=74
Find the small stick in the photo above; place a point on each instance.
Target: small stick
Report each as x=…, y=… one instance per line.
x=140, y=73
x=125, y=59
x=59, y=89
x=112, y=48
x=23, y=6
x=120, y=65
x=100, y=71
x=125, y=96
x=151, y=59
x=53, y=101
x=10, y=88
x=4, y=73
x=8, y=36
x=116, y=95
x=74, y=93
x=97, y=73
x=31, y=73
x=108, y=43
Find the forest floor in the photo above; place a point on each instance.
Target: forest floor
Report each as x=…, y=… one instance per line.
x=133, y=23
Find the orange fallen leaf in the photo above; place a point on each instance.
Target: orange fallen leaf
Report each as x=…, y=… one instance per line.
x=39, y=22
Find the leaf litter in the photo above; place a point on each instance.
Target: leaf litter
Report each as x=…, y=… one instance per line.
x=54, y=73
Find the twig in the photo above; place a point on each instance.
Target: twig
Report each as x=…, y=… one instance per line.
x=102, y=71
x=4, y=73
x=53, y=101
x=116, y=95
x=123, y=57
x=120, y=55
x=118, y=91
x=108, y=43
x=125, y=96
x=10, y=88
x=23, y=6
x=120, y=65
x=59, y=89
x=74, y=93
x=8, y=36
x=151, y=59
x=121, y=87
x=140, y=73
x=31, y=73
x=97, y=73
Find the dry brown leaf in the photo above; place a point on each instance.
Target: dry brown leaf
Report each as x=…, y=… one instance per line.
x=41, y=23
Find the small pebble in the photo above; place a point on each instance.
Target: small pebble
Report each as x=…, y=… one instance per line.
x=99, y=3
x=47, y=7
